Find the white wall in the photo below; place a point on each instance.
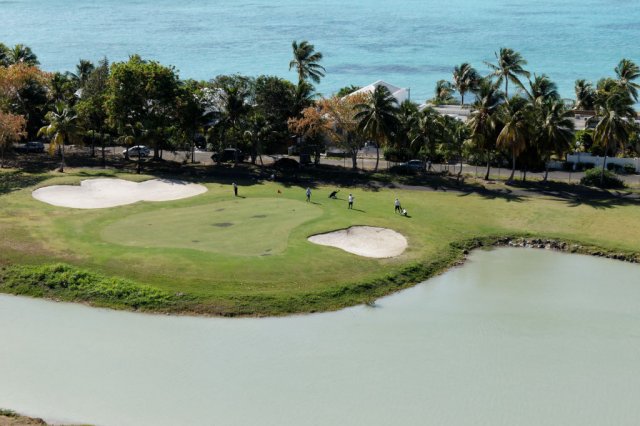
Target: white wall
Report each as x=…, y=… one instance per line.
x=597, y=161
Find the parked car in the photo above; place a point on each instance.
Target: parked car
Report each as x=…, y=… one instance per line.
x=414, y=165
x=228, y=154
x=137, y=151
x=32, y=146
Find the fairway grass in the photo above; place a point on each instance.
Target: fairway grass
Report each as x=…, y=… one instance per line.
x=220, y=254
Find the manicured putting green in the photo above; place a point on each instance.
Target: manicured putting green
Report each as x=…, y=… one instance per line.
x=242, y=227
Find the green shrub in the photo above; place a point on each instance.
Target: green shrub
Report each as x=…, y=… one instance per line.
x=61, y=281
x=397, y=154
x=592, y=178
x=629, y=169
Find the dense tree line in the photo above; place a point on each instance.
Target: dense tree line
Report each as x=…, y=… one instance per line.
x=515, y=116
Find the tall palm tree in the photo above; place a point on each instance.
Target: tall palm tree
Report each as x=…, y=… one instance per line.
x=555, y=131
x=22, y=54
x=510, y=66
x=443, y=92
x=627, y=72
x=483, y=121
x=516, y=117
x=377, y=118
x=234, y=109
x=615, y=125
x=585, y=95
x=407, y=117
x=62, y=128
x=542, y=89
x=424, y=132
x=306, y=62
x=83, y=70
x=465, y=79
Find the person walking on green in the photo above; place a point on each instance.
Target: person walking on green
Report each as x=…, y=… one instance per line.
x=397, y=204
x=308, y=192
x=235, y=189
x=350, y=202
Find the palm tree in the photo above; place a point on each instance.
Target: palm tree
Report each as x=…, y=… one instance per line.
x=305, y=61
x=615, y=126
x=443, y=92
x=424, y=131
x=510, y=66
x=62, y=128
x=627, y=71
x=83, y=70
x=4, y=55
x=585, y=95
x=555, y=131
x=407, y=118
x=22, y=54
x=542, y=89
x=465, y=79
x=234, y=109
x=377, y=118
x=483, y=121
x=517, y=129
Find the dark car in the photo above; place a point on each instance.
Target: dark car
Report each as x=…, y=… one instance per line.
x=414, y=165
x=229, y=154
x=33, y=146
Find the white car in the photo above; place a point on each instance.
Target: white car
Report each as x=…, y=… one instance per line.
x=137, y=151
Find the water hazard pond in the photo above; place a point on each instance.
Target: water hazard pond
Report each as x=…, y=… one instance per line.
x=516, y=336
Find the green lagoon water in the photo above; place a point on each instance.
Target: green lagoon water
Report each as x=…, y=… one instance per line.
x=514, y=337
x=411, y=43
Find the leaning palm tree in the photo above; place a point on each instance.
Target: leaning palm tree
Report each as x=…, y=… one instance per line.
x=22, y=54
x=555, y=131
x=377, y=118
x=509, y=68
x=443, y=92
x=516, y=117
x=306, y=62
x=465, y=79
x=585, y=95
x=627, y=72
x=542, y=89
x=615, y=125
x=62, y=128
x=483, y=121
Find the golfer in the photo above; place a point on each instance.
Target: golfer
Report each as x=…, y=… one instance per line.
x=308, y=192
x=350, y=202
x=235, y=189
x=397, y=204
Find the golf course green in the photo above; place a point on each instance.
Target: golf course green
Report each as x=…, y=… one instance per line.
x=217, y=254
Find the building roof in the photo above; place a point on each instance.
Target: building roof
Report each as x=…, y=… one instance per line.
x=401, y=94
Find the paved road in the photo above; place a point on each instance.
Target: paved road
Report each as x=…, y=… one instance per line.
x=367, y=161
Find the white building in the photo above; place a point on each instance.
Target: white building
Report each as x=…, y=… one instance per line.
x=401, y=94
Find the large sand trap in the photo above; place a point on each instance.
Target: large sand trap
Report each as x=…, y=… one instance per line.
x=365, y=241
x=108, y=192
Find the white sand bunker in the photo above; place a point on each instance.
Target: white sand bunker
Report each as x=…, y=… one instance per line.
x=107, y=192
x=367, y=241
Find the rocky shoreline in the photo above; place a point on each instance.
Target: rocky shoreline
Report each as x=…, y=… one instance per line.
x=556, y=245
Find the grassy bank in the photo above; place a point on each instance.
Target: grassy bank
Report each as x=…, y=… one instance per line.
x=217, y=254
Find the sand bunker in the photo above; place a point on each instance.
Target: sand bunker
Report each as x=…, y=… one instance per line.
x=107, y=192
x=365, y=241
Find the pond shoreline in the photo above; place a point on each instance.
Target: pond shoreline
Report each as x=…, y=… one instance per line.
x=361, y=293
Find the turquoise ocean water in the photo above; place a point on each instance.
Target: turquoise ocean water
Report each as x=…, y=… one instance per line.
x=411, y=43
